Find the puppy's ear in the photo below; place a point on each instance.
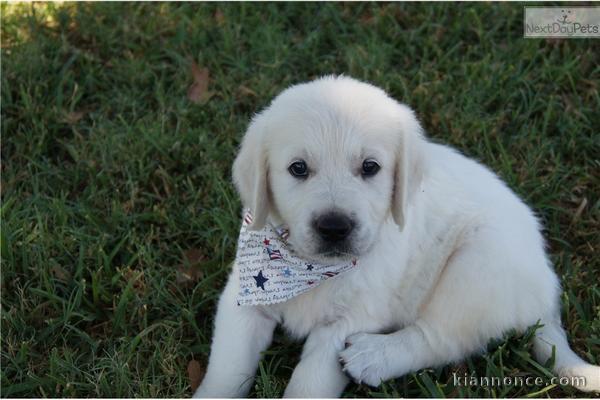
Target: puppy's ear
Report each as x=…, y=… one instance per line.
x=250, y=174
x=409, y=167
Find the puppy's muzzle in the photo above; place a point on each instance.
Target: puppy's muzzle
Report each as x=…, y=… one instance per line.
x=333, y=227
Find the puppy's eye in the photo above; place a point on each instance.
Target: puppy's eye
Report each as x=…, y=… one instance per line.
x=370, y=167
x=298, y=169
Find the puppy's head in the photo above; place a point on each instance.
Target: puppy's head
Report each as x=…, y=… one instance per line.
x=332, y=159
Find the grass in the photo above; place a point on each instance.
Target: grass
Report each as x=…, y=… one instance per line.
x=112, y=178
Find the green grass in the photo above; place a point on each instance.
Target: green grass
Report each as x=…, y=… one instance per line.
x=110, y=174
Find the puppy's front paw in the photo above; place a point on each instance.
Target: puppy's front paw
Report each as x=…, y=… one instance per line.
x=365, y=359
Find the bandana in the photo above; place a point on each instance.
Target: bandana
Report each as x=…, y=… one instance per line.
x=269, y=270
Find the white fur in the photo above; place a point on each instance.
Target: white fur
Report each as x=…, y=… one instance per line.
x=449, y=257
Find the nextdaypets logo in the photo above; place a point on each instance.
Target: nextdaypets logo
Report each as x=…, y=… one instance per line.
x=562, y=22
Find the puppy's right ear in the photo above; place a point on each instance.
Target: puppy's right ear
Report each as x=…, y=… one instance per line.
x=250, y=174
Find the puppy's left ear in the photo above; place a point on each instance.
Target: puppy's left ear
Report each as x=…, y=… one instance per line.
x=409, y=166
x=250, y=174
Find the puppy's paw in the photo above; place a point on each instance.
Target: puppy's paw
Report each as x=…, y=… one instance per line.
x=365, y=360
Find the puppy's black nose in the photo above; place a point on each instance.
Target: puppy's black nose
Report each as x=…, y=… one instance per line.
x=334, y=227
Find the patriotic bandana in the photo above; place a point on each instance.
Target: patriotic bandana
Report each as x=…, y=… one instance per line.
x=269, y=270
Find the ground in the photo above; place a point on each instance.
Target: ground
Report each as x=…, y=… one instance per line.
x=119, y=218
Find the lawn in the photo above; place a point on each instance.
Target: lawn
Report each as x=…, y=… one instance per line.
x=119, y=218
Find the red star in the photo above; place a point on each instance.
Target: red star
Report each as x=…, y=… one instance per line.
x=266, y=242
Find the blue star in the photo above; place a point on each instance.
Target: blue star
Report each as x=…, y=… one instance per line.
x=309, y=267
x=246, y=291
x=260, y=280
x=286, y=272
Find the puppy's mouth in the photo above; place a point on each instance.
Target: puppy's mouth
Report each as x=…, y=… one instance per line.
x=316, y=249
x=337, y=252
x=327, y=253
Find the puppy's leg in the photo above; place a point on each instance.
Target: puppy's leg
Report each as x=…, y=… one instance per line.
x=373, y=358
x=319, y=373
x=480, y=294
x=241, y=334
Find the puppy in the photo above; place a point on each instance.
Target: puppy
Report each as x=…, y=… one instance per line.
x=448, y=256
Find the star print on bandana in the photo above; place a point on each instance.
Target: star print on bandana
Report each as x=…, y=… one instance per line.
x=260, y=280
x=269, y=270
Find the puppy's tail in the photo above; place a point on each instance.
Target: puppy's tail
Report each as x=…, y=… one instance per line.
x=579, y=374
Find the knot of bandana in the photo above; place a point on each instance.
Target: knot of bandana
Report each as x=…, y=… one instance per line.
x=269, y=270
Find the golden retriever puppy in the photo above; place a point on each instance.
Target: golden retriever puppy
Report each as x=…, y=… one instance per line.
x=369, y=228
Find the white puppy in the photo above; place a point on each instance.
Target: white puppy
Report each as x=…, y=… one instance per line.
x=449, y=257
